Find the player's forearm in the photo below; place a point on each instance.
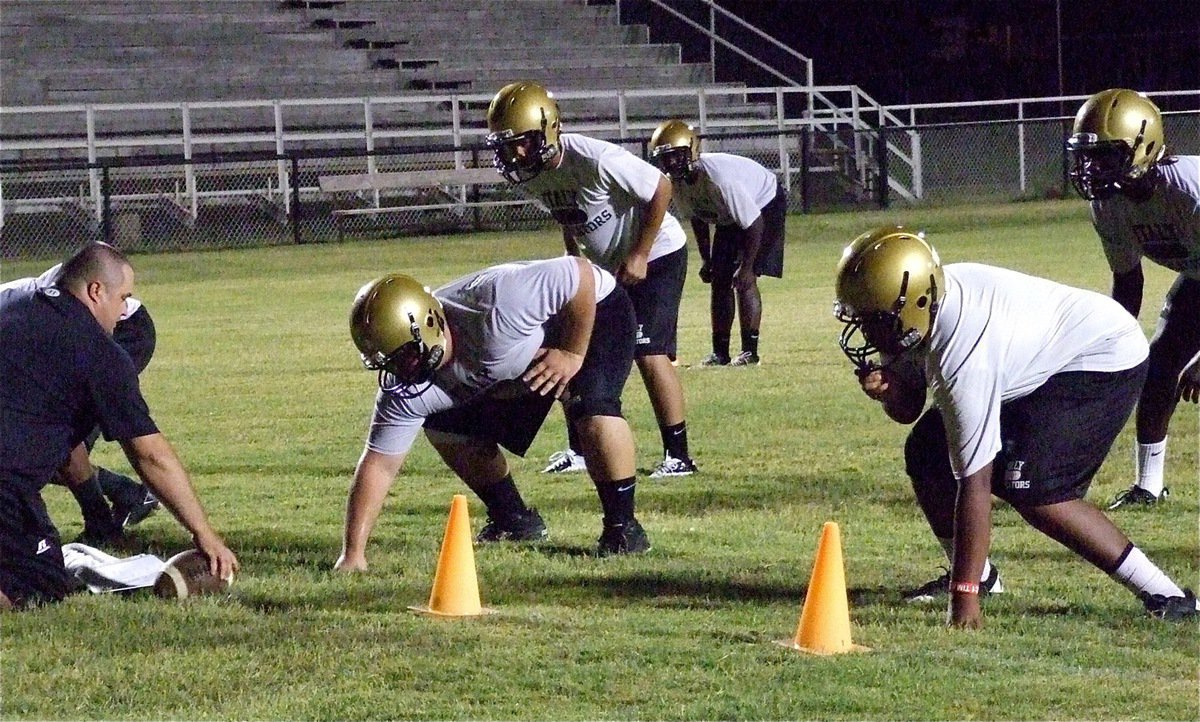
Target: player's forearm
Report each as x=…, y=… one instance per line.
x=972, y=525
x=703, y=240
x=157, y=464
x=570, y=243
x=580, y=312
x=1127, y=290
x=372, y=480
x=652, y=220
x=905, y=405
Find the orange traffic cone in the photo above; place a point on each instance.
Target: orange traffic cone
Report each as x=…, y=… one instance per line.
x=455, y=587
x=825, y=620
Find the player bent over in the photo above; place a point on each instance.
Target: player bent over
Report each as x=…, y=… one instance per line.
x=478, y=363
x=1031, y=382
x=1145, y=203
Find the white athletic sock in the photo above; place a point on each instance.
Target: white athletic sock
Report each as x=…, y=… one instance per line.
x=948, y=547
x=1149, y=460
x=1141, y=576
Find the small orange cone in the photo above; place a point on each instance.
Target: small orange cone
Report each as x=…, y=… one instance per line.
x=825, y=620
x=455, y=587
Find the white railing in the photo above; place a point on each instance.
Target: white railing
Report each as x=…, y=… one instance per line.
x=818, y=105
x=94, y=131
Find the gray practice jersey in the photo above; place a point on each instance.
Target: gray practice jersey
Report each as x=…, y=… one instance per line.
x=497, y=319
x=731, y=189
x=1164, y=228
x=999, y=335
x=599, y=194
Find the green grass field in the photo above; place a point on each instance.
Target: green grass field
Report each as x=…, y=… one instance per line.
x=258, y=386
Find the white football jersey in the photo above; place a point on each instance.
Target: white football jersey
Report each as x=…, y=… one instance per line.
x=729, y=189
x=497, y=318
x=1000, y=334
x=1164, y=228
x=599, y=192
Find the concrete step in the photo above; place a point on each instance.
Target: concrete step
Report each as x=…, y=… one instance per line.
x=211, y=35
x=158, y=59
x=93, y=8
x=446, y=56
x=481, y=80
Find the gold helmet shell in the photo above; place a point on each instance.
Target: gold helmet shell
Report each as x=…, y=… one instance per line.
x=399, y=329
x=889, y=286
x=523, y=130
x=674, y=148
x=1117, y=138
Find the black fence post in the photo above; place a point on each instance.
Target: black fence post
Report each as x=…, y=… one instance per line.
x=805, y=202
x=295, y=214
x=1065, y=176
x=475, y=195
x=106, y=229
x=882, y=180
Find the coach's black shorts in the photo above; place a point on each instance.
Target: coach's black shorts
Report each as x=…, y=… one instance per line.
x=656, y=304
x=513, y=422
x=728, y=244
x=1053, y=441
x=31, y=560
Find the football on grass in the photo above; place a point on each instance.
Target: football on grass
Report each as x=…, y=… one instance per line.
x=186, y=575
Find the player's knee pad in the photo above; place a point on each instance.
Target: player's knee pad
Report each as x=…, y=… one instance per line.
x=583, y=407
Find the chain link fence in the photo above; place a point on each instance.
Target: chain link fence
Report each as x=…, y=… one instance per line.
x=165, y=203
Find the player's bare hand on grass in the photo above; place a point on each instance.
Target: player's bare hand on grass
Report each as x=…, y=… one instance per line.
x=350, y=564
x=965, y=612
x=552, y=369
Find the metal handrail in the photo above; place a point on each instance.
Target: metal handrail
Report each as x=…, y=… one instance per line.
x=714, y=38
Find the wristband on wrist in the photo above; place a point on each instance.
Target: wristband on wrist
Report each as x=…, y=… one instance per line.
x=964, y=587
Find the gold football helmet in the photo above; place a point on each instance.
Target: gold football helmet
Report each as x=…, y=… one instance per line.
x=889, y=285
x=674, y=148
x=523, y=126
x=400, y=331
x=1117, y=138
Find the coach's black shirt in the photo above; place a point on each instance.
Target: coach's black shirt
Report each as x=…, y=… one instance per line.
x=61, y=375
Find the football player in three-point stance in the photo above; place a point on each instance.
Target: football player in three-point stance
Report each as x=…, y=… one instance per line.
x=478, y=364
x=612, y=206
x=1031, y=381
x=1145, y=203
x=748, y=205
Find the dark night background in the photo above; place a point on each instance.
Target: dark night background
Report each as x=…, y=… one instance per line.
x=914, y=51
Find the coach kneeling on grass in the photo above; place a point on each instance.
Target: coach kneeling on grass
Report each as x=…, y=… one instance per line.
x=478, y=363
x=62, y=375
x=1031, y=382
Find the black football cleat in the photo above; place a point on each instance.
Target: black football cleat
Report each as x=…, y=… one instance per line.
x=132, y=511
x=626, y=538
x=1172, y=609
x=938, y=589
x=522, y=527
x=1137, y=496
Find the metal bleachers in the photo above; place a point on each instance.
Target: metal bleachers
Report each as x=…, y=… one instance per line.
x=106, y=52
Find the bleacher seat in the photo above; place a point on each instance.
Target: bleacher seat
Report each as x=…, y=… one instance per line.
x=147, y=51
